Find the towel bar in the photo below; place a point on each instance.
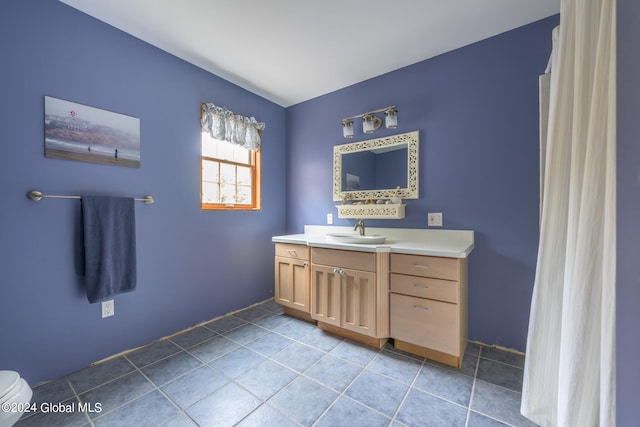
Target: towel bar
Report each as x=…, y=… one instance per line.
x=36, y=195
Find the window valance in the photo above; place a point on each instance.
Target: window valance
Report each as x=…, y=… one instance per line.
x=225, y=125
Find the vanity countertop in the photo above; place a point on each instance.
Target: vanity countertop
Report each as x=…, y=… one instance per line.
x=416, y=241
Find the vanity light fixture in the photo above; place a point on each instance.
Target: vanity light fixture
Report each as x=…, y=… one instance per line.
x=391, y=118
x=371, y=122
x=347, y=128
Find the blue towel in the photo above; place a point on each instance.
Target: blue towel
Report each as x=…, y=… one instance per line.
x=109, y=246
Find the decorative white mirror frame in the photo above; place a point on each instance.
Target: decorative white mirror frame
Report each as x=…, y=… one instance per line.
x=410, y=192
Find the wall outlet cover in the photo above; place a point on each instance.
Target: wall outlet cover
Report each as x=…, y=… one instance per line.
x=435, y=219
x=329, y=218
x=108, y=308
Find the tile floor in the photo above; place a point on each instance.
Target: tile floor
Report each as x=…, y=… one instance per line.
x=258, y=367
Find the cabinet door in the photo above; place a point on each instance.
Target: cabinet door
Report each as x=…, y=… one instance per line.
x=292, y=283
x=325, y=294
x=359, y=301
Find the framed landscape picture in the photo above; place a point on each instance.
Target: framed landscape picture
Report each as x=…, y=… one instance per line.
x=78, y=132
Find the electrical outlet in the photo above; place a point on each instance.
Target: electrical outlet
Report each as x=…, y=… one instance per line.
x=435, y=219
x=329, y=218
x=108, y=308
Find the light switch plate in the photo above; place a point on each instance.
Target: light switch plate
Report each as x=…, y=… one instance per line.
x=329, y=218
x=435, y=219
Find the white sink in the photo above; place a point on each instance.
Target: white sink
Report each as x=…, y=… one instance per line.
x=355, y=238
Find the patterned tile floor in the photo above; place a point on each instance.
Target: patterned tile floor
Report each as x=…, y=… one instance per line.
x=258, y=367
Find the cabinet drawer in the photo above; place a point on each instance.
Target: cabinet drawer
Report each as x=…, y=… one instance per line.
x=288, y=250
x=425, y=287
x=363, y=261
x=427, y=323
x=426, y=266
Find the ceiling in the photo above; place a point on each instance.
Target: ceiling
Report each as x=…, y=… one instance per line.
x=289, y=51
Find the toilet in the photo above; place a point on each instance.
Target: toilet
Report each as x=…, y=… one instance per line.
x=15, y=395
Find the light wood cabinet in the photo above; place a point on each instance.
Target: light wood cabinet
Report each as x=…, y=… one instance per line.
x=345, y=294
x=326, y=286
x=292, y=277
x=428, y=306
x=359, y=309
x=420, y=301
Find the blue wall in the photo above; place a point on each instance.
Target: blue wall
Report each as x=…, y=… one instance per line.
x=628, y=205
x=192, y=265
x=477, y=112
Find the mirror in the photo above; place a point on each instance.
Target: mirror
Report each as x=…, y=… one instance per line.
x=377, y=168
x=373, y=169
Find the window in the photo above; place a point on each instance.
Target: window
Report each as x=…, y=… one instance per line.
x=230, y=176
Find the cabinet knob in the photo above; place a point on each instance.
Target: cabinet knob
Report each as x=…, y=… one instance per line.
x=305, y=263
x=420, y=308
x=422, y=266
x=416, y=285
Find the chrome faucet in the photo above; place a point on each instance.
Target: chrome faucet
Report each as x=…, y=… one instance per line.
x=360, y=225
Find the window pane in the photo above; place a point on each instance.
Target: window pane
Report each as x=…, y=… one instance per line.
x=240, y=155
x=227, y=173
x=210, y=193
x=225, y=151
x=244, y=195
x=210, y=171
x=244, y=175
x=228, y=193
x=209, y=146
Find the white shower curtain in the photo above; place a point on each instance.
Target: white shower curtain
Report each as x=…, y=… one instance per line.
x=569, y=377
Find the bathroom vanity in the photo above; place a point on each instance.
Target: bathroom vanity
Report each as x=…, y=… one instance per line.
x=412, y=288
